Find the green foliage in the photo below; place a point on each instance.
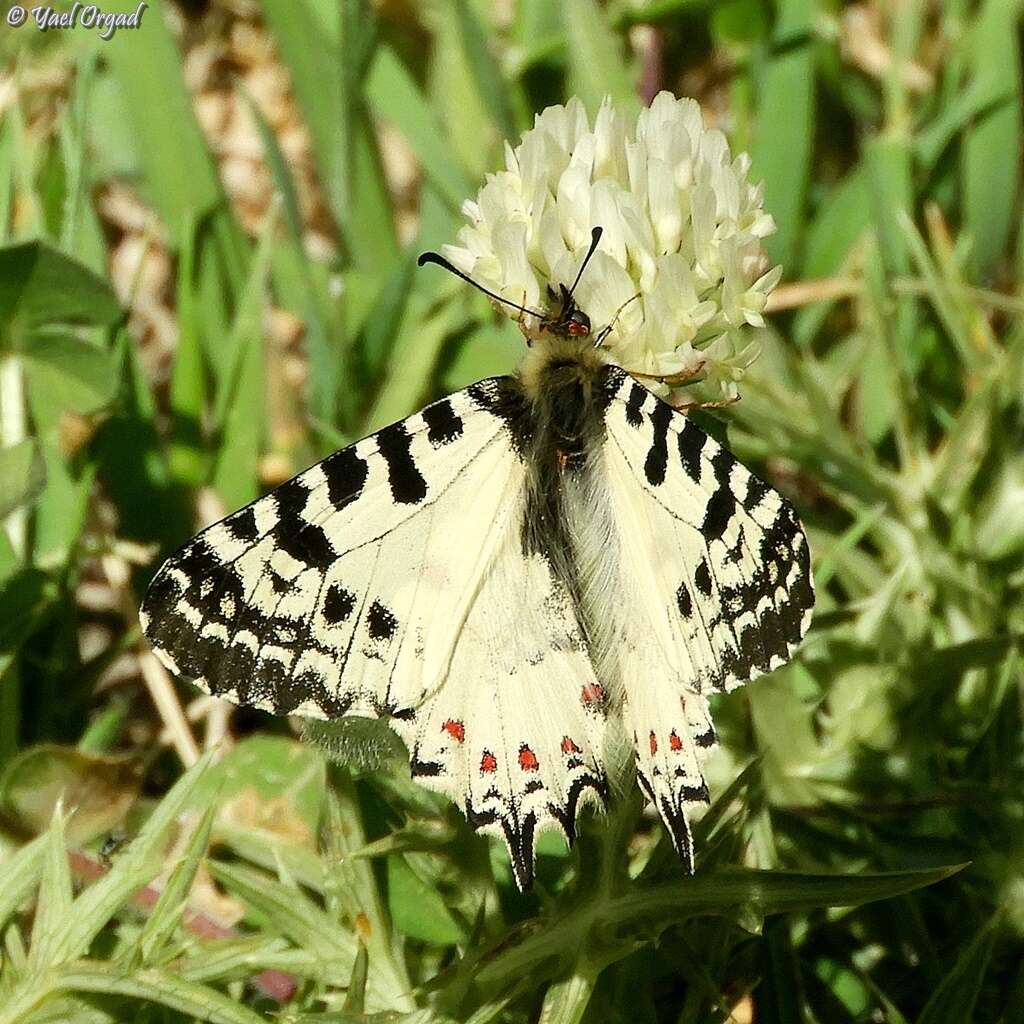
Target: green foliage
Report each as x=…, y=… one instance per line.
x=316, y=881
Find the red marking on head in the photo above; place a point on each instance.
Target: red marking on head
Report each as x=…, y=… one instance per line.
x=593, y=693
x=488, y=763
x=577, y=330
x=569, y=746
x=528, y=759
x=674, y=741
x=455, y=729
x=654, y=743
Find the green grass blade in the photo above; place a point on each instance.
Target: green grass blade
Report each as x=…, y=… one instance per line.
x=309, y=49
x=167, y=914
x=353, y=884
x=289, y=911
x=990, y=180
x=132, y=869
x=54, y=900
x=20, y=873
x=831, y=243
x=954, y=1000
x=484, y=67
x=781, y=151
x=161, y=988
x=597, y=67
x=393, y=94
x=241, y=395
x=188, y=385
x=179, y=175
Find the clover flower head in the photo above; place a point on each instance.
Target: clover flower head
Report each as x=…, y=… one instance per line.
x=680, y=270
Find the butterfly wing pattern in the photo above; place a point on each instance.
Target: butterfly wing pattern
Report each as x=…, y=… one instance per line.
x=392, y=580
x=388, y=580
x=717, y=568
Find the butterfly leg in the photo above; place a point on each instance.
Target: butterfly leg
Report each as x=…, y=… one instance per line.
x=720, y=404
x=673, y=380
x=608, y=328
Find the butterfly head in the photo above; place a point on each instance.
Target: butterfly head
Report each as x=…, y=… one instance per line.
x=570, y=321
x=567, y=321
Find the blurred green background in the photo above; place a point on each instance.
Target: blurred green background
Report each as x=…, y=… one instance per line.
x=209, y=227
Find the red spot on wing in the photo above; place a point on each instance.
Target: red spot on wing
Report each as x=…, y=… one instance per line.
x=488, y=763
x=592, y=694
x=569, y=746
x=654, y=743
x=528, y=759
x=455, y=729
x=674, y=741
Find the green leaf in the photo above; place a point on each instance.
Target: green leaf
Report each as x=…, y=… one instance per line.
x=484, y=67
x=355, y=997
x=771, y=892
x=22, y=476
x=417, y=908
x=831, y=242
x=646, y=912
x=188, y=379
x=780, y=994
x=39, y=285
x=241, y=395
x=486, y=350
x=64, y=373
x=382, y=324
x=739, y=21
x=272, y=785
x=310, y=52
x=24, y=598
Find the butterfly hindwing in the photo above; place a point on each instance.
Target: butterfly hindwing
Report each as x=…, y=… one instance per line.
x=718, y=568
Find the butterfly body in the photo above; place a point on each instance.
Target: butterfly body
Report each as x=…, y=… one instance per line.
x=538, y=580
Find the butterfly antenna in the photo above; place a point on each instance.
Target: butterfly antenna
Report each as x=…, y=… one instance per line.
x=433, y=257
x=595, y=237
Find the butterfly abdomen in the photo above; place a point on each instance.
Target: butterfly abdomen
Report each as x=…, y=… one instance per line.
x=567, y=516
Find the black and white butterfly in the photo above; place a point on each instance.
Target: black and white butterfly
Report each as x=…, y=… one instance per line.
x=533, y=579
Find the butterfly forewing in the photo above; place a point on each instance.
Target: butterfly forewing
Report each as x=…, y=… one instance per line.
x=267, y=606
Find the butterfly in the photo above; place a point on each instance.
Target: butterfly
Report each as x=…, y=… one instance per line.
x=538, y=581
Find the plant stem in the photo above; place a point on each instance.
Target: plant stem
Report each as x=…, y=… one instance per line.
x=13, y=430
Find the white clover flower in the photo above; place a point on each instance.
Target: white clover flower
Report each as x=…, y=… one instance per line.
x=680, y=270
